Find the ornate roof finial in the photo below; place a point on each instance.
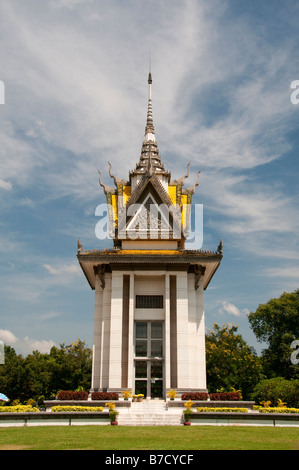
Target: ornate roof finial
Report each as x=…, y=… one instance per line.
x=107, y=189
x=191, y=189
x=116, y=180
x=220, y=247
x=149, y=129
x=182, y=179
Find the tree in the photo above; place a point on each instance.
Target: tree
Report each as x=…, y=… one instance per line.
x=231, y=363
x=12, y=374
x=275, y=389
x=277, y=323
x=64, y=368
x=71, y=366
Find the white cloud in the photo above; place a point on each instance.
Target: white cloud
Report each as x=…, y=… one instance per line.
x=231, y=309
x=251, y=207
x=67, y=3
x=8, y=337
x=26, y=345
x=62, y=270
x=43, y=346
x=88, y=98
x=282, y=272
x=76, y=94
x=5, y=184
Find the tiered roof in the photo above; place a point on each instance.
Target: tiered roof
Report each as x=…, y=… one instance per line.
x=149, y=184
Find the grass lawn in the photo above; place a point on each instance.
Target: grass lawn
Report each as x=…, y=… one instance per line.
x=148, y=438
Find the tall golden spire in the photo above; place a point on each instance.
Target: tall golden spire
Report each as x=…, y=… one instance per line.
x=149, y=161
x=149, y=129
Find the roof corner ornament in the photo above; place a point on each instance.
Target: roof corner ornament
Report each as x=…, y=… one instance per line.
x=198, y=271
x=107, y=189
x=182, y=179
x=80, y=247
x=220, y=247
x=115, y=178
x=191, y=189
x=100, y=271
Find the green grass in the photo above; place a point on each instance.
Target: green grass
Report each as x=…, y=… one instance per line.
x=149, y=438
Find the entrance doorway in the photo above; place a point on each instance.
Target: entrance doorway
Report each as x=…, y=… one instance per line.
x=149, y=361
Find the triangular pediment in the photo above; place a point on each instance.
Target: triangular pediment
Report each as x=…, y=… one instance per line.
x=150, y=213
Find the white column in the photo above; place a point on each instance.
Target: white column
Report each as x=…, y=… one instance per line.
x=116, y=331
x=201, y=347
x=105, y=334
x=182, y=332
x=97, y=335
x=131, y=334
x=192, y=330
x=167, y=333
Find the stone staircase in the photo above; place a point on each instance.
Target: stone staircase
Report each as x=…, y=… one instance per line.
x=150, y=413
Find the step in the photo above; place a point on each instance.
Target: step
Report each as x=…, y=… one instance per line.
x=149, y=413
x=141, y=421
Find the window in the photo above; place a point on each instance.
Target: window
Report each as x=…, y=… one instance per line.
x=141, y=329
x=149, y=339
x=156, y=329
x=149, y=301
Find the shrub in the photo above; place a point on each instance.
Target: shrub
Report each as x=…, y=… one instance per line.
x=69, y=395
x=172, y=394
x=58, y=408
x=225, y=396
x=104, y=396
x=275, y=389
x=19, y=409
x=30, y=402
x=278, y=409
x=222, y=410
x=195, y=396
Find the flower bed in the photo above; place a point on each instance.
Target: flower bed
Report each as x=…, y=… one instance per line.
x=278, y=409
x=70, y=395
x=221, y=410
x=195, y=396
x=104, y=396
x=225, y=396
x=218, y=396
x=18, y=409
x=76, y=408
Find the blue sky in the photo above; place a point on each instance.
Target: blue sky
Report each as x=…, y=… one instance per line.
x=76, y=96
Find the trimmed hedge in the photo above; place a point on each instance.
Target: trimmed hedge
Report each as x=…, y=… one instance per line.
x=69, y=395
x=104, y=396
x=279, y=409
x=225, y=396
x=221, y=396
x=76, y=408
x=18, y=409
x=221, y=410
x=201, y=396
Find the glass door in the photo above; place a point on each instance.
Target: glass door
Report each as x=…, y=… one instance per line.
x=149, y=360
x=156, y=379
